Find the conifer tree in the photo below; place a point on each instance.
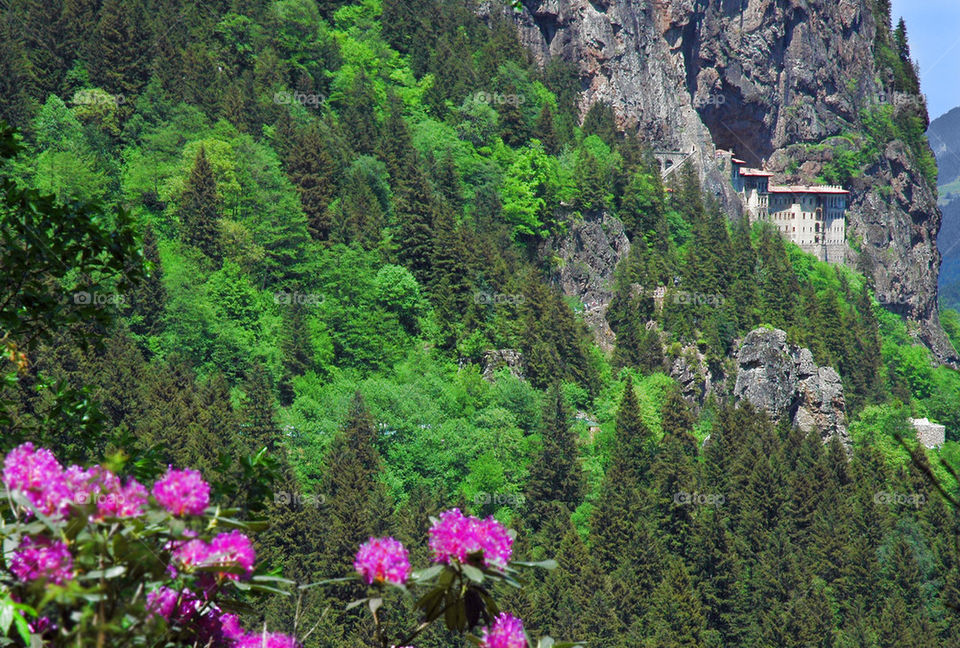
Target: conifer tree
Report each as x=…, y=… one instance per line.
x=258, y=414
x=600, y=121
x=200, y=209
x=313, y=172
x=616, y=521
x=357, y=505
x=117, y=62
x=555, y=474
x=545, y=131
x=675, y=617
x=148, y=299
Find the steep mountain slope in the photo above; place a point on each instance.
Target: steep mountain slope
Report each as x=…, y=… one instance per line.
x=800, y=85
x=944, y=135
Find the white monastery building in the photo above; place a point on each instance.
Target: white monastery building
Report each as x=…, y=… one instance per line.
x=813, y=217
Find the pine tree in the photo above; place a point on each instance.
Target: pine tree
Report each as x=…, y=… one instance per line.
x=357, y=501
x=200, y=209
x=37, y=23
x=633, y=438
x=149, y=298
x=117, y=58
x=544, y=130
x=312, y=171
x=17, y=77
x=555, y=474
x=742, y=293
x=297, y=348
x=258, y=414
x=675, y=617
x=513, y=125
x=601, y=121
x=79, y=20
x=616, y=523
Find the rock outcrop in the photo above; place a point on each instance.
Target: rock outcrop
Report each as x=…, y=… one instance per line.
x=497, y=359
x=784, y=380
x=584, y=260
x=762, y=77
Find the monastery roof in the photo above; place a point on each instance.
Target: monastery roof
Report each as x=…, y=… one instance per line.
x=736, y=161
x=747, y=171
x=795, y=189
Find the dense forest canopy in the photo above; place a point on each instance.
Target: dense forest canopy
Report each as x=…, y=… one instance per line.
x=277, y=241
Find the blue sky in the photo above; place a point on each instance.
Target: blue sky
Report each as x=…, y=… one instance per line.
x=933, y=27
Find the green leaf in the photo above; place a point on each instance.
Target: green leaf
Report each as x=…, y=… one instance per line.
x=473, y=573
x=543, y=564
x=427, y=573
x=263, y=578
x=374, y=604
x=356, y=603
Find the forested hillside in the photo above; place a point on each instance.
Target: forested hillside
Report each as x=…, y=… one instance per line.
x=277, y=242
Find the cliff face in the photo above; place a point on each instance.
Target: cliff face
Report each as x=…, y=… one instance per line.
x=760, y=77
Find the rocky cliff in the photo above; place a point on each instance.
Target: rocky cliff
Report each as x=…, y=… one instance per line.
x=584, y=260
x=761, y=77
x=784, y=381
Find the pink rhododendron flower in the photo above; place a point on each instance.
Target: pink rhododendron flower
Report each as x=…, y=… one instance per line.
x=99, y=485
x=383, y=560
x=38, y=475
x=230, y=627
x=163, y=601
x=184, y=608
x=266, y=640
x=505, y=632
x=189, y=555
x=182, y=492
x=233, y=548
x=40, y=558
x=457, y=536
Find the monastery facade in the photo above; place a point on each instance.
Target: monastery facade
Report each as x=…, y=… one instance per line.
x=813, y=217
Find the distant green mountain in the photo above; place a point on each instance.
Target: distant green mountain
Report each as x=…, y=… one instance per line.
x=944, y=136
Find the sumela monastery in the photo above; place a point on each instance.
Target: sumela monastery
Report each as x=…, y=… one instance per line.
x=813, y=217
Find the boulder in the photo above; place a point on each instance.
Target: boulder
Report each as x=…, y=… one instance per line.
x=785, y=381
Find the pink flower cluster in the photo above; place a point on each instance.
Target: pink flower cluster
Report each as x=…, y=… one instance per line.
x=42, y=559
x=38, y=475
x=266, y=640
x=458, y=536
x=505, y=632
x=52, y=490
x=227, y=549
x=102, y=486
x=182, y=492
x=208, y=623
x=383, y=560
